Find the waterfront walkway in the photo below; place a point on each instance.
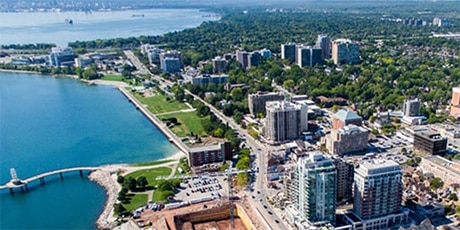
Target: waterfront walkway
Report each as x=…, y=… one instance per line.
x=159, y=124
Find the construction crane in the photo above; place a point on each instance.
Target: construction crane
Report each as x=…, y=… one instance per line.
x=230, y=197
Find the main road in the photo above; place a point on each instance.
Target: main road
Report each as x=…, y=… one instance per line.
x=260, y=150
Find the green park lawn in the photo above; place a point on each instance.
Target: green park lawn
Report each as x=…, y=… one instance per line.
x=189, y=122
x=151, y=163
x=150, y=174
x=135, y=201
x=113, y=77
x=159, y=195
x=158, y=104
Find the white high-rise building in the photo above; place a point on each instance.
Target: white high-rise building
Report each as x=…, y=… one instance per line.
x=314, y=190
x=285, y=120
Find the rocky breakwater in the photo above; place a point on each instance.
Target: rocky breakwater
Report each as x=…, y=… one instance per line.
x=106, y=178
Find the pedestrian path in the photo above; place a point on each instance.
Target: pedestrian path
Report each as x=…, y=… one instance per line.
x=177, y=111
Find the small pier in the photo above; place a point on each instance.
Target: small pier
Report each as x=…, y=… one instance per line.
x=16, y=183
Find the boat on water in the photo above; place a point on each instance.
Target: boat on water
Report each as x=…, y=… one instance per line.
x=68, y=21
x=138, y=15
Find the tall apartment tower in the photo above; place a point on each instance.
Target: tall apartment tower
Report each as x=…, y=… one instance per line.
x=242, y=58
x=288, y=51
x=345, y=172
x=455, y=104
x=171, y=61
x=254, y=59
x=257, y=101
x=285, y=120
x=314, y=188
x=377, y=189
x=411, y=108
x=324, y=42
x=345, y=51
x=219, y=65
x=308, y=56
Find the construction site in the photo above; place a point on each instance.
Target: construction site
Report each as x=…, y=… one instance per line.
x=217, y=214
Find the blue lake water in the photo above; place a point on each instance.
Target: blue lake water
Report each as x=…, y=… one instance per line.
x=48, y=123
x=51, y=27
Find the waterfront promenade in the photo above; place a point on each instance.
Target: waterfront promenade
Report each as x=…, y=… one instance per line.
x=154, y=119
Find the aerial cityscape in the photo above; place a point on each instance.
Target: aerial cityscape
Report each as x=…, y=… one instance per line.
x=230, y=115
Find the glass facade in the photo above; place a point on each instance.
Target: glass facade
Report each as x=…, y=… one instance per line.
x=315, y=189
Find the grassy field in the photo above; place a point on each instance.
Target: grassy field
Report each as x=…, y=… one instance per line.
x=158, y=104
x=135, y=201
x=151, y=174
x=159, y=195
x=112, y=77
x=189, y=122
x=152, y=163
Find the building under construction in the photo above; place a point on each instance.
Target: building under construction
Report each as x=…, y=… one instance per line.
x=207, y=215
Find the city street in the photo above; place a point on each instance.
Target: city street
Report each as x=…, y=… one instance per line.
x=258, y=149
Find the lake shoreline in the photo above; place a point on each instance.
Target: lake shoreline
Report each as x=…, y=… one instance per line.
x=106, y=177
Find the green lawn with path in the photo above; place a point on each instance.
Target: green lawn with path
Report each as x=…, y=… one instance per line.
x=135, y=201
x=150, y=174
x=189, y=122
x=158, y=103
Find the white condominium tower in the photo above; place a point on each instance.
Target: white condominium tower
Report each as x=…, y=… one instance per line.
x=315, y=189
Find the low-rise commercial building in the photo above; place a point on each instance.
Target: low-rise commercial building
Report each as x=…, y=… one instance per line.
x=61, y=56
x=448, y=171
x=446, y=130
x=428, y=143
x=198, y=156
x=210, y=79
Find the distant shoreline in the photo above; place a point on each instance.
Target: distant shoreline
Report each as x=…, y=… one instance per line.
x=203, y=8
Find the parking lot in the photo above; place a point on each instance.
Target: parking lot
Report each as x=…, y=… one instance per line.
x=204, y=187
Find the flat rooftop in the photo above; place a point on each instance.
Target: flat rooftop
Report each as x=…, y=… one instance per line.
x=444, y=163
x=205, y=148
x=376, y=166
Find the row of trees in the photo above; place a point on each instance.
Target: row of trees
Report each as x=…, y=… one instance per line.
x=243, y=163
